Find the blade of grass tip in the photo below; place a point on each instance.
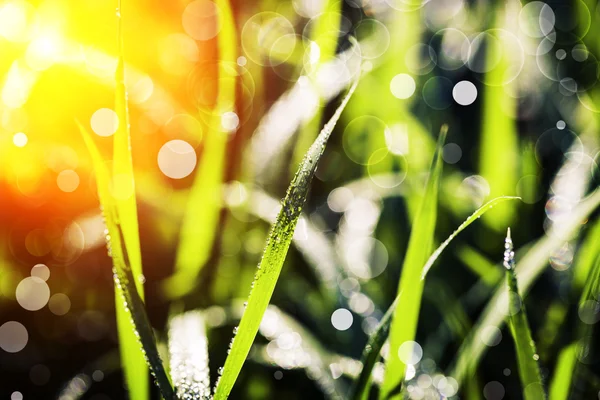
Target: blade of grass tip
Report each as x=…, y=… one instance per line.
x=478, y=213
x=405, y=318
x=529, y=370
x=528, y=269
x=188, y=351
x=134, y=320
x=273, y=257
x=376, y=340
x=123, y=192
x=204, y=203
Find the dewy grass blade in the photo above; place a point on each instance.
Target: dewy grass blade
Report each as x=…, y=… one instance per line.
x=188, y=351
x=135, y=321
x=202, y=211
x=123, y=193
x=273, y=257
x=527, y=270
x=405, y=318
x=527, y=357
x=377, y=339
x=478, y=213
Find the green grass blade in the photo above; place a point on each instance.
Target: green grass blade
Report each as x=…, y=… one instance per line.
x=370, y=354
x=405, y=318
x=478, y=213
x=563, y=374
x=135, y=333
x=527, y=270
x=376, y=340
x=188, y=356
x=273, y=257
x=204, y=204
x=325, y=36
x=480, y=265
x=123, y=192
x=499, y=139
x=529, y=370
x=568, y=367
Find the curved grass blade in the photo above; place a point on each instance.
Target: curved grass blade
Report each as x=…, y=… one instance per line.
x=529, y=370
x=376, y=340
x=370, y=354
x=568, y=367
x=123, y=192
x=135, y=320
x=188, y=356
x=202, y=211
x=478, y=213
x=405, y=318
x=527, y=270
x=273, y=257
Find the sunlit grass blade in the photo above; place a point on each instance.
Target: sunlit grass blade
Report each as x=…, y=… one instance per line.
x=404, y=320
x=376, y=340
x=478, y=213
x=273, y=257
x=480, y=265
x=123, y=193
x=188, y=356
x=325, y=37
x=528, y=269
x=204, y=203
x=568, y=367
x=499, y=140
x=135, y=333
x=563, y=374
x=529, y=370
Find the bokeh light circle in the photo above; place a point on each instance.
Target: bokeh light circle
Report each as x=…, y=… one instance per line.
x=13, y=337
x=201, y=19
x=41, y=271
x=59, y=304
x=32, y=293
x=437, y=92
x=342, y=319
x=362, y=134
x=410, y=352
x=464, y=93
x=420, y=59
x=402, y=86
x=177, y=159
x=260, y=34
x=454, y=48
x=536, y=19
x=374, y=38
x=104, y=122
x=497, y=49
x=67, y=181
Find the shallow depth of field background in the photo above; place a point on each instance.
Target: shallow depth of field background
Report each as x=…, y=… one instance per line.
x=517, y=84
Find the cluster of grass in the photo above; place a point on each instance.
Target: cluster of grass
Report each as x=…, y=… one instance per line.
x=187, y=375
